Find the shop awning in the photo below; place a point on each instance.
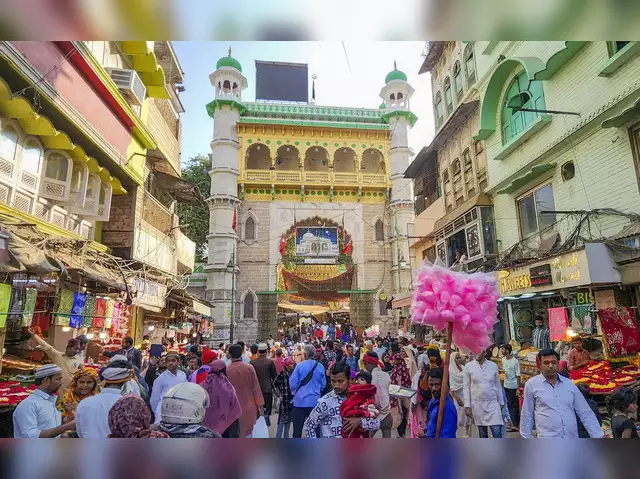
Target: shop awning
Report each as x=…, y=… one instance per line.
x=144, y=62
x=402, y=300
x=628, y=115
x=35, y=124
x=302, y=308
x=527, y=178
x=201, y=308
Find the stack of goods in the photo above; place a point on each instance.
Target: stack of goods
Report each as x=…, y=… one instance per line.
x=14, y=363
x=12, y=393
x=603, y=377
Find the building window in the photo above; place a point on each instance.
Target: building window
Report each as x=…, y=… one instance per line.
x=466, y=156
x=445, y=176
x=530, y=95
x=470, y=64
x=457, y=81
x=439, y=111
x=250, y=229
x=31, y=157
x=379, y=230
x=249, y=306
x=532, y=208
x=448, y=99
x=383, y=305
x=455, y=167
x=57, y=167
x=8, y=147
x=568, y=171
x=615, y=47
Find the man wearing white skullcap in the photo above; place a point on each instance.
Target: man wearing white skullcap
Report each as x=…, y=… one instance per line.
x=37, y=415
x=92, y=415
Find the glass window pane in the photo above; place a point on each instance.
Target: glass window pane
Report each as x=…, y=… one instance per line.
x=544, y=202
x=8, y=144
x=56, y=167
x=527, y=214
x=77, y=177
x=31, y=157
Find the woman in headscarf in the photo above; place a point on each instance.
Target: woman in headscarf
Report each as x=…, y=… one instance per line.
x=224, y=411
x=386, y=363
x=400, y=377
x=84, y=383
x=420, y=401
x=130, y=418
x=410, y=360
x=456, y=379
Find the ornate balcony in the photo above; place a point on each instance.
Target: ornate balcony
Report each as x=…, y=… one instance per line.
x=326, y=178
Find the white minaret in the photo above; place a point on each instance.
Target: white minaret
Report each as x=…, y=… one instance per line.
x=221, y=265
x=396, y=95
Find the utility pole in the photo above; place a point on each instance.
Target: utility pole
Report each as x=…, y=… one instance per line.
x=232, y=262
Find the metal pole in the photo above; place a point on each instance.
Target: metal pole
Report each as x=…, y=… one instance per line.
x=233, y=293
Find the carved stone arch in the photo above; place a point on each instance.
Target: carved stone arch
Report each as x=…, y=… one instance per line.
x=379, y=228
x=249, y=305
x=250, y=224
x=344, y=160
x=316, y=158
x=287, y=158
x=258, y=157
x=373, y=162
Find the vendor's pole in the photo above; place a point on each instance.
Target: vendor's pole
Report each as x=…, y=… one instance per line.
x=445, y=380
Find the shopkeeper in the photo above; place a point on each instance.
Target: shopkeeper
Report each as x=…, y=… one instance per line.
x=68, y=362
x=578, y=357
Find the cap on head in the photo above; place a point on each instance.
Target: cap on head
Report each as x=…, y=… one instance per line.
x=263, y=348
x=208, y=356
x=47, y=371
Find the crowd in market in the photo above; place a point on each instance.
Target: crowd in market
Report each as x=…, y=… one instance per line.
x=335, y=387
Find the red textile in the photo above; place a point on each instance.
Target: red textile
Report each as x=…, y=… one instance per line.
x=100, y=311
x=558, y=323
x=359, y=398
x=621, y=329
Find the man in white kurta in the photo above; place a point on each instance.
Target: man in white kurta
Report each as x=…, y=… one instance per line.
x=483, y=397
x=164, y=382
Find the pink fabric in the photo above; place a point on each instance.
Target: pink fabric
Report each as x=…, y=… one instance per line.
x=279, y=363
x=224, y=407
x=558, y=323
x=620, y=327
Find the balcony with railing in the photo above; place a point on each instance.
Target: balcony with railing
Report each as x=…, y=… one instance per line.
x=185, y=253
x=328, y=178
x=165, y=130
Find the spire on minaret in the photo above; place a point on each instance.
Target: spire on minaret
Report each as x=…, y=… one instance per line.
x=229, y=50
x=395, y=65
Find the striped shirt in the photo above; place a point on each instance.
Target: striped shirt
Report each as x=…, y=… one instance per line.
x=541, y=338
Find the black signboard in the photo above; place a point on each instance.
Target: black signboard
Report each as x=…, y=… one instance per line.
x=541, y=275
x=282, y=81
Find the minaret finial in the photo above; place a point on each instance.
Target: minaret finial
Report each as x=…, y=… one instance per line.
x=229, y=50
x=395, y=65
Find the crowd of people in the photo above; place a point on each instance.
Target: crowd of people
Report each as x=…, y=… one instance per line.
x=331, y=389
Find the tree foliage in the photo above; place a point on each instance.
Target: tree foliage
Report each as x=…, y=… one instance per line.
x=196, y=215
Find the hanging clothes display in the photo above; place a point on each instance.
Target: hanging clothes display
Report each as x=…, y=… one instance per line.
x=558, y=323
x=115, y=317
x=99, y=314
x=77, y=310
x=89, y=310
x=29, y=306
x=65, y=303
x=581, y=321
x=621, y=330
x=5, y=300
x=108, y=313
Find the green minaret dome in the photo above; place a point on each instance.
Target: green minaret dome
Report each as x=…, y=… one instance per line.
x=229, y=61
x=395, y=74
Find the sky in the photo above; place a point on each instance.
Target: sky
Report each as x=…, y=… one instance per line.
x=353, y=79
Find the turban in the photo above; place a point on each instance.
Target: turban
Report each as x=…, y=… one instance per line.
x=117, y=372
x=370, y=359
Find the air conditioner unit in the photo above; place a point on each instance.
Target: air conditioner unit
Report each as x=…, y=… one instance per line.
x=129, y=83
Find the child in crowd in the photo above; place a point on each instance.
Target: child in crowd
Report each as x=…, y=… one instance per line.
x=360, y=402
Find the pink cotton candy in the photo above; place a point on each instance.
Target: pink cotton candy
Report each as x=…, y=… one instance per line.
x=469, y=301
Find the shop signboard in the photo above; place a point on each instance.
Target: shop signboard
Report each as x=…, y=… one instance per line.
x=541, y=275
x=317, y=242
x=150, y=295
x=591, y=265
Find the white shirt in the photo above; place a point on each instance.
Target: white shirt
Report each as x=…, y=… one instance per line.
x=92, y=414
x=511, y=368
x=381, y=381
x=483, y=393
x=161, y=385
x=36, y=413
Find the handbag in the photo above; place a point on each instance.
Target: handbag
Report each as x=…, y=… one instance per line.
x=260, y=430
x=308, y=377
